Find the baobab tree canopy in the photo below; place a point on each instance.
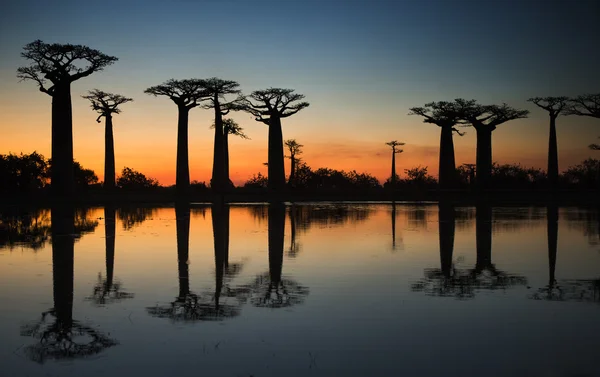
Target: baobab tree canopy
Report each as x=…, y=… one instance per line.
x=585, y=105
x=487, y=116
x=442, y=113
x=188, y=93
x=58, y=63
x=273, y=102
x=106, y=103
x=555, y=106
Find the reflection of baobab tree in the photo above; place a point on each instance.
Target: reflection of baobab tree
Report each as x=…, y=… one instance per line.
x=271, y=289
x=108, y=289
x=133, y=216
x=449, y=280
x=394, y=246
x=26, y=228
x=60, y=336
x=586, y=221
x=294, y=248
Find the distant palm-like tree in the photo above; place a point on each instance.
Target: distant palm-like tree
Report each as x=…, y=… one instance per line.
x=230, y=127
x=107, y=104
x=446, y=116
x=186, y=94
x=269, y=106
x=295, y=149
x=555, y=106
x=394, y=144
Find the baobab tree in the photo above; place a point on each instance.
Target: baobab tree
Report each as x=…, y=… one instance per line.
x=485, y=119
x=269, y=106
x=585, y=105
x=217, y=89
x=230, y=127
x=107, y=104
x=61, y=64
x=446, y=116
x=394, y=144
x=295, y=149
x=555, y=106
x=186, y=94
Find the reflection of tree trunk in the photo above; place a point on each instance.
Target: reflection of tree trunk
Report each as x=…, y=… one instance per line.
x=182, y=218
x=275, y=164
x=447, y=164
x=552, y=154
x=276, y=238
x=552, y=218
x=109, y=154
x=394, y=225
x=220, y=223
x=484, y=157
x=63, y=228
x=62, y=179
x=483, y=236
x=182, y=179
x=447, y=220
x=110, y=232
x=293, y=228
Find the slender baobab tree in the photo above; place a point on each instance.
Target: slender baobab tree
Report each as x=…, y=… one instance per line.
x=295, y=149
x=230, y=127
x=61, y=64
x=394, y=144
x=107, y=104
x=270, y=106
x=186, y=94
x=217, y=89
x=555, y=106
x=585, y=105
x=485, y=119
x=446, y=116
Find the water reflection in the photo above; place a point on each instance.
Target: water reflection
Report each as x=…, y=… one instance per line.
x=60, y=336
x=400, y=245
x=134, y=216
x=25, y=228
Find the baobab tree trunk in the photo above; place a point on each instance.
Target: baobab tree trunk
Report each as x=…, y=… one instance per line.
x=276, y=234
x=109, y=232
x=182, y=179
x=182, y=219
x=217, y=181
x=276, y=168
x=393, y=177
x=292, y=179
x=226, y=179
x=552, y=155
x=484, y=157
x=447, y=221
x=552, y=219
x=483, y=237
x=447, y=165
x=62, y=180
x=109, y=155
x=63, y=227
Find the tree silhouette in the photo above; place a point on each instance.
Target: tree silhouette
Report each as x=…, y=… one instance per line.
x=295, y=149
x=216, y=90
x=485, y=119
x=186, y=94
x=555, y=106
x=107, y=104
x=594, y=147
x=446, y=116
x=394, y=144
x=585, y=105
x=64, y=337
x=61, y=64
x=230, y=127
x=269, y=107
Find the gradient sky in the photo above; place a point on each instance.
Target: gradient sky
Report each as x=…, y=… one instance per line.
x=361, y=65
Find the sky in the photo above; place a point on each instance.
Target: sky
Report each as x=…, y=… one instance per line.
x=360, y=64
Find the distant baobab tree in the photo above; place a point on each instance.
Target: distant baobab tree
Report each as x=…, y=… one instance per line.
x=585, y=105
x=61, y=64
x=485, y=119
x=230, y=127
x=216, y=90
x=555, y=106
x=446, y=116
x=295, y=149
x=394, y=144
x=270, y=106
x=107, y=104
x=186, y=94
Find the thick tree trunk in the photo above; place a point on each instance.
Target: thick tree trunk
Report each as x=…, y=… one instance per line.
x=447, y=221
x=552, y=225
x=553, y=154
x=393, y=177
x=182, y=178
x=62, y=179
x=63, y=227
x=276, y=234
x=182, y=219
x=226, y=179
x=109, y=155
x=484, y=157
x=217, y=182
x=483, y=237
x=276, y=167
x=447, y=164
x=110, y=232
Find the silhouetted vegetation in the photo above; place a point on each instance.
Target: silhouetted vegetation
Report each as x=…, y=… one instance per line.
x=133, y=180
x=295, y=149
x=585, y=105
x=394, y=144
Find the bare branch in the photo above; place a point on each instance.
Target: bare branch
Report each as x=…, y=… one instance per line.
x=188, y=93
x=554, y=105
x=105, y=103
x=585, y=105
x=272, y=102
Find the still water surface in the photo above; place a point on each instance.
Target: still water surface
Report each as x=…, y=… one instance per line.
x=300, y=290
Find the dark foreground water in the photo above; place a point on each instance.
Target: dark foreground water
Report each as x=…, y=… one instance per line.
x=302, y=290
